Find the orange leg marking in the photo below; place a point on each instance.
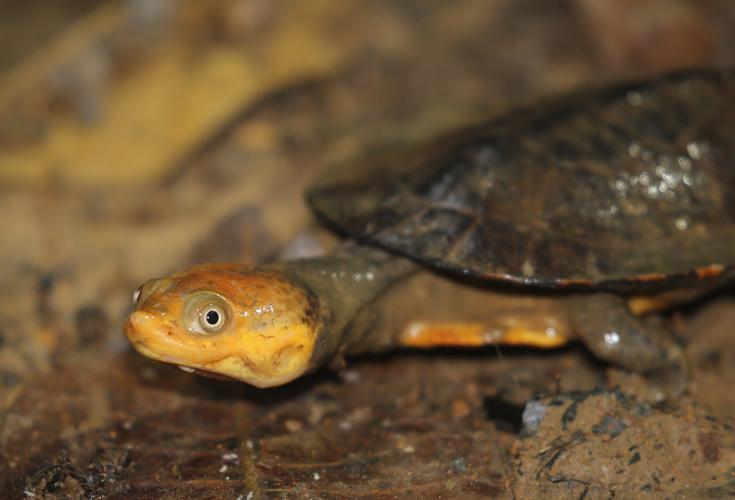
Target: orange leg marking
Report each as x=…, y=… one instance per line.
x=477, y=334
x=644, y=305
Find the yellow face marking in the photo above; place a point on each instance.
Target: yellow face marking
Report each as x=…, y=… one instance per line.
x=459, y=334
x=252, y=326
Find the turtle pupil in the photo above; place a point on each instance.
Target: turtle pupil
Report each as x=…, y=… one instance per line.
x=212, y=317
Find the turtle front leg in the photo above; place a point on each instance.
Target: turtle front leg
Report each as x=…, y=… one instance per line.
x=614, y=334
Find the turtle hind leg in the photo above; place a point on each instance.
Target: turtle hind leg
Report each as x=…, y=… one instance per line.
x=614, y=334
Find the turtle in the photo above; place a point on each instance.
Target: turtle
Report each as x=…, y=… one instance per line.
x=574, y=218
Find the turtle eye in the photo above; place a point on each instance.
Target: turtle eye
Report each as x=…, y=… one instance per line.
x=212, y=318
x=207, y=313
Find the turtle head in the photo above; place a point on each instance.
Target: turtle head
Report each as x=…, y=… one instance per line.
x=225, y=320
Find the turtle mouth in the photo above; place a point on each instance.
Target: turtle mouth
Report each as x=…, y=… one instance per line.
x=240, y=369
x=206, y=373
x=156, y=337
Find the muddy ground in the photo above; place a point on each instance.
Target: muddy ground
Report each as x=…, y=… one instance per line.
x=137, y=138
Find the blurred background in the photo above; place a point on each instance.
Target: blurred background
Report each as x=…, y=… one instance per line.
x=141, y=136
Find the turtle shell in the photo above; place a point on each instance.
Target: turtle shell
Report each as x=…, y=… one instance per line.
x=612, y=187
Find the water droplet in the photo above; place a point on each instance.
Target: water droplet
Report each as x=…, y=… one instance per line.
x=634, y=98
x=611, y=338
x=492, y=336
x=684, y=162
x=634, y=149
x=608, y=212
x=670, y=178
x=527, y=268
x=681, y=224
x=694, y=151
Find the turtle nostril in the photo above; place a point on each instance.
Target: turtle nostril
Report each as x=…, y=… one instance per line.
x=138, y=323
